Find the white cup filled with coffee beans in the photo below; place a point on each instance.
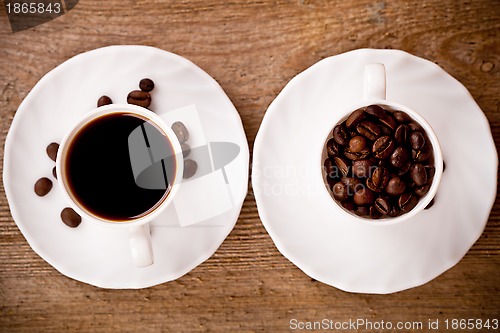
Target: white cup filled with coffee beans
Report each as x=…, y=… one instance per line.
x=119, y=167
x=381, y=162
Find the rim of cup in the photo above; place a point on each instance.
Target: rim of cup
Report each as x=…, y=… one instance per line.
x=436, y=149
x=117, y=109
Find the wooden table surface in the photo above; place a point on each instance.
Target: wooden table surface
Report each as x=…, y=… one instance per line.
x=252, y=48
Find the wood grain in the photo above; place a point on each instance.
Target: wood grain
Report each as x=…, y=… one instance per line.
x=252, y=48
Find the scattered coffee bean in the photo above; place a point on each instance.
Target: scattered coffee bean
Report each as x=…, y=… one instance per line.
x=186, y=149
x=180, y=131
x=52, y=150
x=104, y=100
x=146, y=85
x=54, y=172
x=43, y=186
x=140, y=98
x=190, y=168
x=380, y=162
x=70, y=217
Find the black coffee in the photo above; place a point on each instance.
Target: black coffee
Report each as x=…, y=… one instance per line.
x=100, y=170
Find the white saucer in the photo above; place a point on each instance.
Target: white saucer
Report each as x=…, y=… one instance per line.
x=298, y=213
x=89, y=253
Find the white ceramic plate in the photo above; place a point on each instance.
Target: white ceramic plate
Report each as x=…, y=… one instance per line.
x=89, y=253
x=298, y=212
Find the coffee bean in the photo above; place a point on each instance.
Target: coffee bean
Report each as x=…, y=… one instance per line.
x=190, y=168
x=368, y=129
x=401, y=134
x=389, y=121
x=374, y=213
x=386, y=149
x=364, y=197
x=418, y=174
x=430, y=204
x=431, y=171
x=422, y=154
x=399, y=157
x=422, y=190
x=140, y=98
x=331, y=181
x=333, y=148
x=186, y=149
x=104, y=100
x=383, y=147
x=417, y=140
x=395, y=211
x=407, y=201
x=375, y=110
x=348, y=204
x=54, y=172
x=52, y=150
x=329, y=167
x=340, y=135
x=340, y=191
x=356, y=156
x=362, y=168
x=180, y=131
x=43, y=186
x=355, y=118
x=404, y=169
x=70, y=217
x=362, y=211
x=415, y=127
x=401, y=116
x=382, y=205
x=395, y=186
x=342, y=164
x=357, y=144
x=371, y=186
x=146, y=85
x=353, y=184
x=380, y=177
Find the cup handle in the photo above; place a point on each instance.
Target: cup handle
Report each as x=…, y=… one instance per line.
x=374, y=82
x=140, y=245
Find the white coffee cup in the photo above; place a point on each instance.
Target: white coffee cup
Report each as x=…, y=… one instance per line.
x=139, y=231
x=375, y=93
